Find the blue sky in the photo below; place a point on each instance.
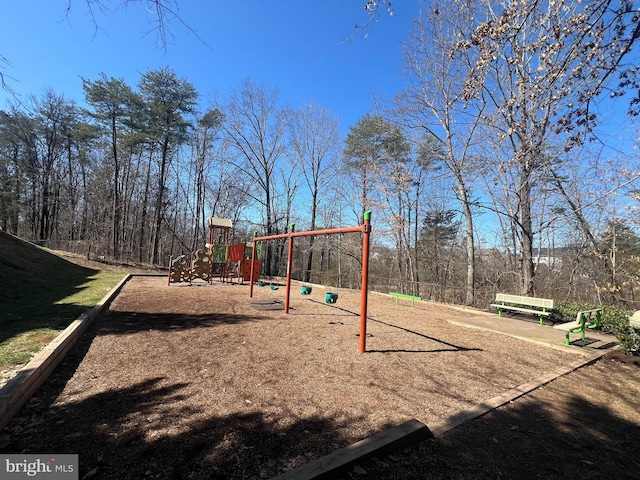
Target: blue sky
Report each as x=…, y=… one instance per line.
x=296, y=46
x=301, y=48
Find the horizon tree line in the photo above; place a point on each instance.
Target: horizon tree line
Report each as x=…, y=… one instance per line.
x=493, y=128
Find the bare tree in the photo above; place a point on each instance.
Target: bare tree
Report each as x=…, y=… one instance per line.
x=164, y=14
x=315, y=142
x=433, y=103
x=204, y=137
x=540, y=68
x=255, y=127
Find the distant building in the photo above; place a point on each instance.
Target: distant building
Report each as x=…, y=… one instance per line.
x=548, y=257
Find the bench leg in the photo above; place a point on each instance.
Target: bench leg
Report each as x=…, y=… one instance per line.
x=580, y=331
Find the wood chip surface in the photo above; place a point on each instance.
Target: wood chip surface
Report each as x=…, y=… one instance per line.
x=204, y=382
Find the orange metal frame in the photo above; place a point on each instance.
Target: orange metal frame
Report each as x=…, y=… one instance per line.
x=365, y=228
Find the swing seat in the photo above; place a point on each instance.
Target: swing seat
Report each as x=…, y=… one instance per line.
x=305, y=290
x=331, y=297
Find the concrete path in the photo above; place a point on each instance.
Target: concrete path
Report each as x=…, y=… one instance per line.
x=530, y=330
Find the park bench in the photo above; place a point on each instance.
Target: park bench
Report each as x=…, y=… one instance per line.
x=413, y=298
x=522, y=304
x=585, y=319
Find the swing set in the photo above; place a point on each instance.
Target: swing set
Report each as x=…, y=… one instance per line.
x=365, y=229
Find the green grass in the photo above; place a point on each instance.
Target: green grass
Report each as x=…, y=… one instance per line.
x=41, y=294
x=23, y=346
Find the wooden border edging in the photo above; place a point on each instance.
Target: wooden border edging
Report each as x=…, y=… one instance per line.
x=24, y=384
x=413, y=431
x=382, y=442
x=495, y=402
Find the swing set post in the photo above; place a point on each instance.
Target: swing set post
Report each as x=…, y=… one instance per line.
x=253, y=262
x=289, y=268
x=365, y=229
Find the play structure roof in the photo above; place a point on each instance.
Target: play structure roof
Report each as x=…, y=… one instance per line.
x=220, y=222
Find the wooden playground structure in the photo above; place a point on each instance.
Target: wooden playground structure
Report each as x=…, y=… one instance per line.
x=219, y=259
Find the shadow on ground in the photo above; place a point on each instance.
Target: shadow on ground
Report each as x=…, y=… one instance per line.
x=116, y=435
x=124, y=323
x=446, y=346
x=135, y=433
x=536, y=437
x=127, y=433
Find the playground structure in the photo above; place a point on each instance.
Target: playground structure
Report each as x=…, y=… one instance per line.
x=365, y=229
x=218, y=259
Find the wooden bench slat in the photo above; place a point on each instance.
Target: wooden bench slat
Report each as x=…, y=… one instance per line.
x=524, y=300
x=518, y=303
x=520, y=309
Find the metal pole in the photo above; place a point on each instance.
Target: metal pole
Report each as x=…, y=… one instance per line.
x=366, y=229
x=289, y=265
x=309, y=233
x=253, y=259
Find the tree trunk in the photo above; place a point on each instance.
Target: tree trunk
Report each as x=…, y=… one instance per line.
x=143, y=216
x=314, y=214
x=160, y=201
x=469, y=244
x=526, y=231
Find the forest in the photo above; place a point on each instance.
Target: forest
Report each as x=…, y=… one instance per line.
x=486, y=174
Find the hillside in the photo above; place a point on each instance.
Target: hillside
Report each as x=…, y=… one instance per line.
x=40, y=294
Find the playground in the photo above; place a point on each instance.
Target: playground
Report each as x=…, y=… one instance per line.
x=179, y=381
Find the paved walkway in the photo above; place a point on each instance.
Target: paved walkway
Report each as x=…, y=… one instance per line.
x=531, y=331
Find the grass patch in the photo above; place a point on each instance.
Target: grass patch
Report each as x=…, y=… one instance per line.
x=41, y=294
x=93, y=290
x=20, y=348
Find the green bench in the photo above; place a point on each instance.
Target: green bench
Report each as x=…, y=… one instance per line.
x=585, y=319
x=522, y=304
x=413, y=298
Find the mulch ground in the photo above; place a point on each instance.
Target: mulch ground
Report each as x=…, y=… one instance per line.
x=197, y=382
